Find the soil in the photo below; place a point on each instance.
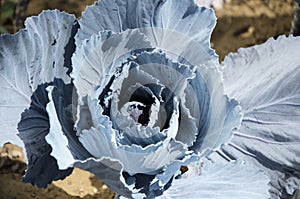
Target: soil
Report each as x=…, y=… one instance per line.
x=244, y=23
x=241, y=23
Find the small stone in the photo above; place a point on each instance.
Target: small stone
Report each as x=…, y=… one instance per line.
x=95, y=190
x=104, y=187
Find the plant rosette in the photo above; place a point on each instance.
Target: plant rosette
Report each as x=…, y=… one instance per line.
x=133, y=93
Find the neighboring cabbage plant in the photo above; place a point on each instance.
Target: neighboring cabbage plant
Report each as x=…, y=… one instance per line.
x=133, y=93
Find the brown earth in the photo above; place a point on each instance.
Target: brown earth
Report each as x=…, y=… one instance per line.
x=244, y=23
x=241, y=23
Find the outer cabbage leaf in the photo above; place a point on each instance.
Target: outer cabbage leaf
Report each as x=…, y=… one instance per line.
x=222, y=116
x=34, y=127
x=265, y=80
x=221, y=181
x=162, y=21
x=30, y=61
x=33, y=56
